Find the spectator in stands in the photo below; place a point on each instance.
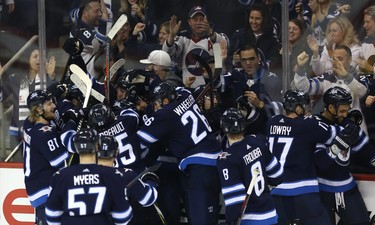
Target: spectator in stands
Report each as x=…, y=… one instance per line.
x=253, y=88
x=366, y=64
x=19, y=84
x=259, y=33
x=137, y=11
x=91, y=29
x=343, y=75
x=9, y=7
x=198, y=40
x=296, y=43
x=368, y=44
x=340, y=31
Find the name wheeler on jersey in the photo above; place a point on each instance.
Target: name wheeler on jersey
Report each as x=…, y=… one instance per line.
x=184, y=129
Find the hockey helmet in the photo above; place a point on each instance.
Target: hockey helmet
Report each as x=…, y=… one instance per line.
x=232, y=121
x=85, y=141
x=38, y=98
x=120, y=105
x=292, y=99
x=163, y=90
x=337, y=96
x=101, y=116
x=74, y=92
x=123, y=83
x=108, y=147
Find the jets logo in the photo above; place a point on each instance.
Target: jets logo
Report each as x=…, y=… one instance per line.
x=193, y=65
x=224, y=155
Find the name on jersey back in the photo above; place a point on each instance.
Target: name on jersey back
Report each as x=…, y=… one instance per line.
x=86, y=179
x=280, y=130
x=184, y=105
x=117, y=128
x=251, y=156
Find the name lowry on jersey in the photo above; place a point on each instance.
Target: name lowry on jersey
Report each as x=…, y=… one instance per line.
x=86, y=179
x=280, y=130
x=184, y=105
x=251, y=156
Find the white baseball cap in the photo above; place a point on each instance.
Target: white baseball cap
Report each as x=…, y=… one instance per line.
x=158, y=57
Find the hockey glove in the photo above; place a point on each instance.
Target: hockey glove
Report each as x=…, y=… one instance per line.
x=343, y=158
x=150, y=178
x=356, y=116
x=347, y=137
x=73, y=46
x=57, y=89
x=75, y=114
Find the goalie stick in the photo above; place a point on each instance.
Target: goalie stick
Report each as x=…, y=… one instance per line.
x=78, y=78
x=255, y=174
x=111, y=34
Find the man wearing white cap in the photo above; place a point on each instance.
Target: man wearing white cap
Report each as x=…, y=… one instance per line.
x=198, y=40
x=160, y=63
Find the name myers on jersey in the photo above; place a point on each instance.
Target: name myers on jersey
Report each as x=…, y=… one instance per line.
x=117, y=128
x=251, y=156
x=280, y=130
x=86, y=179
x=185, y=105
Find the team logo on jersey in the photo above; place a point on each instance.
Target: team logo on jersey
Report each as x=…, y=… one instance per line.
x=193, y=65
x=224, y=155
x=46, y=129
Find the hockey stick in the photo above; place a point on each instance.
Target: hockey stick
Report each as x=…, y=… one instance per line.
x=255, y=174
x=18, y=54
x=76, y=79
x=115, y=67
x=106, y=77
x=160, y=214
x=15, y=149
x=152, y=168
x=111, y=34
x=88, y=84
x=79, y=78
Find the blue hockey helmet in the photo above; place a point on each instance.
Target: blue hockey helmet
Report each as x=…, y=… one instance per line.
x=100, y=116
x=337, y=96
x=163, y=90
x=86, y=140
x=38, y=98
x=292, y=99
x=232, y=121
x=108, y=147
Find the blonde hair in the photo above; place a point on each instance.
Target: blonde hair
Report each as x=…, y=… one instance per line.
x=125, y=6
x=319, y=9
x=34, y=115
x=350, y=35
